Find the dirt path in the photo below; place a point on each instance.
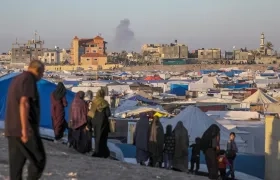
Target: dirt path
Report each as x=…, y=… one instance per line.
x=64, y=163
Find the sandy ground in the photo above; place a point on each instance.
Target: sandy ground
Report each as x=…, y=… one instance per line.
x=64, y=163
x=195, y=67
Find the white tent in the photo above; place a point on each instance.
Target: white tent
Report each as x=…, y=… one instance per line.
x=197, y=122
x=259, y=97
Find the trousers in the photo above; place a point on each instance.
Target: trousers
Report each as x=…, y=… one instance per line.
x=33, y=151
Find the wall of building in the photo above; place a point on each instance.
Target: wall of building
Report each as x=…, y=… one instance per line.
x=93, y=60
x=24, y=54
x=74, y=67
x=177, y=51
x=209, y=54
x=239, y=55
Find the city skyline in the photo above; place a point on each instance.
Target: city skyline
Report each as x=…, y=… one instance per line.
x=216, y=24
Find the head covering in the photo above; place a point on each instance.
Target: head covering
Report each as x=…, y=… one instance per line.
x=89, y=95
x=181, y=140
x=180, y=130
x=168, y=130
x=207, y=137
x=60, y=91
x=98, y=104
x=155, y=125
x=78, y=111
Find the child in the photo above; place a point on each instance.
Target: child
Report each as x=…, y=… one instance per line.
x=169, y=147
x=223, y=162
x=231, y=153
x=195, y=159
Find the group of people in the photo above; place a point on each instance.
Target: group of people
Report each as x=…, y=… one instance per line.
x=87, y=117
x=156, y=148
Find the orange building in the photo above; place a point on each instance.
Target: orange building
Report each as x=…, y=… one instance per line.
x=94, y=48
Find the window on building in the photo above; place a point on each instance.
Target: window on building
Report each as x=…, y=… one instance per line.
x=52, y=54
x=95, y=59
x=52, y=60
x=100, y=48
x=201, y=53
x=47, y=54
x=87, y=51
x=88, y=59
x=94, y=51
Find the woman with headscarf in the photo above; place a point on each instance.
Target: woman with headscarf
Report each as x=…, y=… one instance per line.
x=88, y=98
x=180, y=160
x=100, y=113
x=141, y=139
x=210, y=145
x=78, y=138
x=156, y=143
x=58, y=103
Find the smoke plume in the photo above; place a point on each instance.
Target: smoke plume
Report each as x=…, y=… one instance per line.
x=124, y=37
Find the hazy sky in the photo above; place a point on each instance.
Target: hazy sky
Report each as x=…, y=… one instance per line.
x=198, y=23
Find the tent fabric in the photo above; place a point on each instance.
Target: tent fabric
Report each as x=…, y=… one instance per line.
x=259, y=97
x=178, y=89
x=197, y=122
x=45, y=89
x=141, y=98
x=152, y=78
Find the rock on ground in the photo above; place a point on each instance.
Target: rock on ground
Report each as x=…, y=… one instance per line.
x=64, y=163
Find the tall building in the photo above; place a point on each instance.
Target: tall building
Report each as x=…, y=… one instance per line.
x=209, y=54
x=25, y=52
x=172, y=50
x=91, y=47
x=262, y=45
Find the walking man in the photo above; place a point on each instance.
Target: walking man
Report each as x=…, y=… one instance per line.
x=22, y=124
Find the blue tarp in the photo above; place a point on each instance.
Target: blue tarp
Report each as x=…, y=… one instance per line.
x=141, y=98
x=249, y=164
x=45, y=89
x=179, y=89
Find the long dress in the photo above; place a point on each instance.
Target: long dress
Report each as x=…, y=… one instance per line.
x=180, y=160
x=58, y=116
x=80, y=136
x=101, y=126
x=141, y=139
x=156, y=148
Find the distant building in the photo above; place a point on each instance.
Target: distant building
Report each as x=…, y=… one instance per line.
x=5, y=58
x=209, y=54
x=24, y=53
x=93, y=59
x=152, y=48
x=87, y=48
x=172, y=50
x=240, y=54
x=52, y=56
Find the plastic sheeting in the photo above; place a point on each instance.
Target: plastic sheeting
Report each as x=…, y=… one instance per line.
x=197, y=122
x=179, y=89
x=45, y=89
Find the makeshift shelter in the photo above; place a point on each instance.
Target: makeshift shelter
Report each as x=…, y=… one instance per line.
x=153, y=78
x=197, y=122
x=142, y=99
x=45, y=89
x=258, y=100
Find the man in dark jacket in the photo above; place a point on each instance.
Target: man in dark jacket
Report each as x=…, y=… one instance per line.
x=22, y=124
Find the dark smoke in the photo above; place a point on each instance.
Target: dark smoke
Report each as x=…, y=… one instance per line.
x=124, y=37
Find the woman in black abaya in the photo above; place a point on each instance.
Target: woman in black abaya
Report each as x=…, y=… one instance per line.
x=210, y=145
x=100, y=113
x=156, y=143
x=141, y=139
x=180, y=160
